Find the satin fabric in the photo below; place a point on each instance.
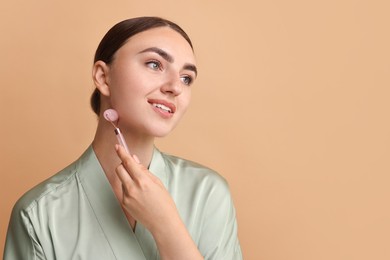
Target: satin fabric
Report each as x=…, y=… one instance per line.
x=75, y=214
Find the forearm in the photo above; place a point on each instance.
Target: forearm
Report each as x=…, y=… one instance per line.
x=174, y=242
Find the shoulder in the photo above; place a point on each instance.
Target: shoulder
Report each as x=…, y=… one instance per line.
x=59, y=187
x=193, y=173
x=50, y=187
x=186, y=166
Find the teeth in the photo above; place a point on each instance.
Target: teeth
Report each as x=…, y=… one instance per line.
x=162, y=107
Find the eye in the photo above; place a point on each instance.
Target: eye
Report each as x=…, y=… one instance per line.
x=154, y=65
x=187, y=80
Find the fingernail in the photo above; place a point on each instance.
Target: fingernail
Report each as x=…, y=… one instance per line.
x=116, y=147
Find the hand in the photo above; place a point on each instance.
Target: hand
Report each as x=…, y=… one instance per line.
x=147, y=200
x=144, y=195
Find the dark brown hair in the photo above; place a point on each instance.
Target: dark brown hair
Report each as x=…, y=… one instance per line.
x=119, y=34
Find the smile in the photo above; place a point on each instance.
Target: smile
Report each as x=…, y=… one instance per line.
x=161, y=106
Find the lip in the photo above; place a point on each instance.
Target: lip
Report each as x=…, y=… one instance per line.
x=162, y=112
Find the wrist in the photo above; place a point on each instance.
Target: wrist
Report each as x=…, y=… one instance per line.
x=174, y=242
x=167, y=228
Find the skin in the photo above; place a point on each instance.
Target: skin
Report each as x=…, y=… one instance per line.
x=154, y=66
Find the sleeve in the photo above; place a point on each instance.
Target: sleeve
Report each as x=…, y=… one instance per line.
x=219, y=230
x=21, y=241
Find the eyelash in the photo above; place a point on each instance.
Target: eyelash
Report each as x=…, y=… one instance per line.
x=156, y=62
x=160, y=67
x=189, y=78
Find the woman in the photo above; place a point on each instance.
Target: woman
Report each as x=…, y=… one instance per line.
x=110, y=204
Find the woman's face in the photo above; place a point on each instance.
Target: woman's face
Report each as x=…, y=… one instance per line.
x=150, y=80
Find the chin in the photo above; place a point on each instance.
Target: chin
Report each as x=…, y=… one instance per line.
x=161, y=131
x=160, y=134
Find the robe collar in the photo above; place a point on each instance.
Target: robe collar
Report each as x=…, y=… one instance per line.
x=125, y=243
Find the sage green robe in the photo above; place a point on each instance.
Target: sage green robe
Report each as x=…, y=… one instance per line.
x=75, y=214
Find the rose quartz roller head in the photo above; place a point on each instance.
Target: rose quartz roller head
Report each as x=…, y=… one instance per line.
x=112, y=116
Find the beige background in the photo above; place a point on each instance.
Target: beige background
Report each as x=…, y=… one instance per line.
x=291, y=106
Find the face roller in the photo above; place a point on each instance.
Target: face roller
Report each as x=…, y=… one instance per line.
x=112, y=116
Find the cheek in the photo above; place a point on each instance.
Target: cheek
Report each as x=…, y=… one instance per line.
x=125, y=88
x=185, y=101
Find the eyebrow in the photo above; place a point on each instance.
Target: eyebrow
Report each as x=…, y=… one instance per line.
x=166, y=56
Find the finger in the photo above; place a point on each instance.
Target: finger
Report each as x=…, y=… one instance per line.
x=136, y=158
x=130, y=164
x=124, y=177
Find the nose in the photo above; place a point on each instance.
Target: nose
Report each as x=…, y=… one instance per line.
x=172, y=85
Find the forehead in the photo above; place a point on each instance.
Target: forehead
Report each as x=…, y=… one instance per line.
x=164, y=38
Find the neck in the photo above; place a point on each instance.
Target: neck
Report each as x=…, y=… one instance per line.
x=104, y=147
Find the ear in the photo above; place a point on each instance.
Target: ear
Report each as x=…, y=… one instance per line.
x=100, y=77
